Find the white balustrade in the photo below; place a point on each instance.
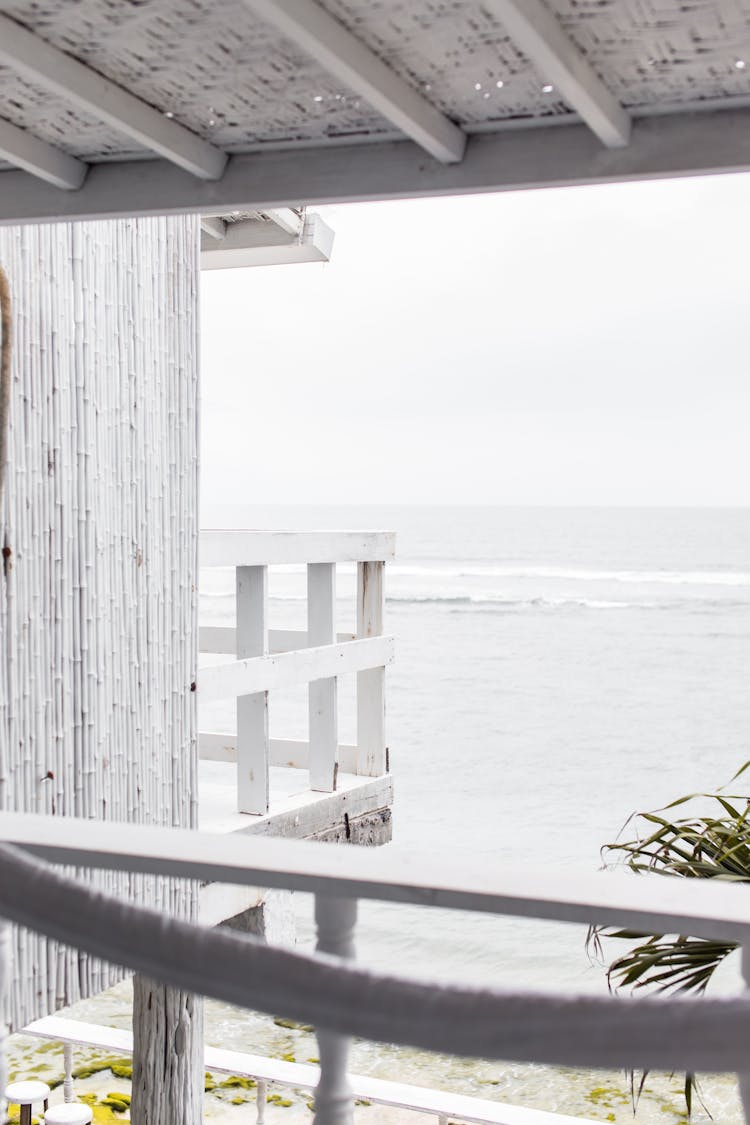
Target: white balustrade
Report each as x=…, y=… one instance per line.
x=270, y=659
x=335, y=919
x=606, y=1031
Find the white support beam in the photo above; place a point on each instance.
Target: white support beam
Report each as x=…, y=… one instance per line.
x=287, y=219
x=257, y=243
x=214, y=227
x=26, y=151
x=534, y=29
x=61, y=74
x=347, y=59
x=705, y=143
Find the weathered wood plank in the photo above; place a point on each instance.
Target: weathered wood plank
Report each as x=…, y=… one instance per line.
x=322, y=694
x=269, y=548
x=245, y=677
x=371, y=736
x=214, y=746
x=650, y=903
x=253, y=752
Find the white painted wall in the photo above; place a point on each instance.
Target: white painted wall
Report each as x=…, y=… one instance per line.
x=99, y=531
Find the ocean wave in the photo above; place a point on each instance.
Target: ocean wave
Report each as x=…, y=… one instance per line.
x=579, y=574
x=501, y=601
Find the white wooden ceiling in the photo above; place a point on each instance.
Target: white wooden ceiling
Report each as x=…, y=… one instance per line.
x=219, y=105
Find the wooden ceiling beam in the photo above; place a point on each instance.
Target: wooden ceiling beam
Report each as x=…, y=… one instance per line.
x=79, y=85
x=29, y=153
x=353, y=64
x=534, y=29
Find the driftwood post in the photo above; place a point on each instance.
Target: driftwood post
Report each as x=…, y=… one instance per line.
x=98, y=529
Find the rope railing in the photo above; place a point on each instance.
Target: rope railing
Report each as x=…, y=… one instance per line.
x=692, y=1034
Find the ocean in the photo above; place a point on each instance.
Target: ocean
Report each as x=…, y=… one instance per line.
x=557, y=670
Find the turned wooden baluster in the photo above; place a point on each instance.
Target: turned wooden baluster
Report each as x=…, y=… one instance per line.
x=335, y=919
x=68, y=1092
x=261, y=1098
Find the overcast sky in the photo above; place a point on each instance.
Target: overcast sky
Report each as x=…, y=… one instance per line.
x=569, y=346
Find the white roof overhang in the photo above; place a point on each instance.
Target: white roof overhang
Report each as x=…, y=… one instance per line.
x=253, y=106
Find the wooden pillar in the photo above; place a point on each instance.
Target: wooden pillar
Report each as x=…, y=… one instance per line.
x=323, y=694
x=168, y=1069
x=253, y=747
x=372, y=755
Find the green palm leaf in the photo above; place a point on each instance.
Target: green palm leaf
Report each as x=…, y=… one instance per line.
x=713, y=843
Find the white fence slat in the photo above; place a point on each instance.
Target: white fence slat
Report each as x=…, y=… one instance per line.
x=286, y=669
x=214, y=746
x=335, y=919
x=253, y=751
x=322, y=694
x=222, y=639
x=271, y=548
x=371, y=735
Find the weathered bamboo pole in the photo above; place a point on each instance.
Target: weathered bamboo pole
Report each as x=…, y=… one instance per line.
x=98, y=527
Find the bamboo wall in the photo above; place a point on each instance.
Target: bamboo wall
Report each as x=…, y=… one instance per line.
x=99, y=535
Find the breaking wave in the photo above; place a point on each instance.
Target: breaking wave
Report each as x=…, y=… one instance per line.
x=576, y=574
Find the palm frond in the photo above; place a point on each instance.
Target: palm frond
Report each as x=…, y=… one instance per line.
x=707, y=845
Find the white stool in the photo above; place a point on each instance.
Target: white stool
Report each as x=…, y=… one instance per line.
x=69, y=1113
x=25, y=1095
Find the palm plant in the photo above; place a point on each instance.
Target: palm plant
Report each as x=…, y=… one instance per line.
x=711, y=842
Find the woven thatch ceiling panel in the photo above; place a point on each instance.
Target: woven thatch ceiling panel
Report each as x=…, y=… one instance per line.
x=652, y=52
x=213, y=67
x=456, y=53
x=236, y=82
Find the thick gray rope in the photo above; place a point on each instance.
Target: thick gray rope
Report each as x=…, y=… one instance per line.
x=569, y=1031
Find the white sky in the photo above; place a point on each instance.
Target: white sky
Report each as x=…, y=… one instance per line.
x=569, y=346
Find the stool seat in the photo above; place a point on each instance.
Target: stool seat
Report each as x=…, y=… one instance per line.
x=70, y=1113
x=26, y=1093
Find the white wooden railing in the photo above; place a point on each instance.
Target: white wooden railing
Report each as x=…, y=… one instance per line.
x=709, y=1035
x=445, y=1105
x=268, y=659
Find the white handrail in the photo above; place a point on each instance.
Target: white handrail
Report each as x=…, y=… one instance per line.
x=651, y=903
x=273, y=548
x=691, y=1034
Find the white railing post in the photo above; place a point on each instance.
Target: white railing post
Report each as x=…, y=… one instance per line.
x=68, y=1092
x=372, y=752
x=335, y=919
x=323, y=694
x=252, y=710
x=261, y=1097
